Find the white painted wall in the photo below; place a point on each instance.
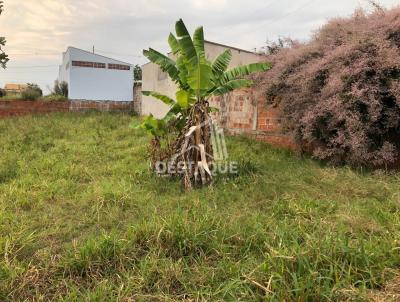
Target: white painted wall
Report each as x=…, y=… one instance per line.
x=64, y=72
x=97, y=84
x=153, y=81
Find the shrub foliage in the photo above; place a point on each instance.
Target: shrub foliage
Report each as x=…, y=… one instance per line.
x=340, y=93
x=31, y=92
x=60, y=89
x=3, y=57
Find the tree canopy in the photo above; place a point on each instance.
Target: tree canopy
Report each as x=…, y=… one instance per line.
x=137, y=73
x=3, y=57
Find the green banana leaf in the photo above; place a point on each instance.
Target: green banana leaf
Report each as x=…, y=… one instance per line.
x=185, y=42
x=173, y=44
x=198, y=42
x=181, y=64
x=165, y=99
x=166, y=64
x=199, y=78
x=221, y=63
x=182, y=98
x=196, y=77
x=245, y=70
x=232, y=85
x=154, y=126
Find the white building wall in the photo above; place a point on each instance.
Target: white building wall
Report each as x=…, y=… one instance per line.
x=155, y=80
x=97, y=84
x=63, y=71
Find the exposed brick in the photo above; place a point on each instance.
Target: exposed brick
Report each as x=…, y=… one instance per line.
x=239, y=112
x=242, y=109
x=18, y=107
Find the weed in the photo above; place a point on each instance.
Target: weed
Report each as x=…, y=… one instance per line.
x=82, y=218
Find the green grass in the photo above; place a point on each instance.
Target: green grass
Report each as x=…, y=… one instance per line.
x=11, y=96
x=19, y=97
x=83, y=219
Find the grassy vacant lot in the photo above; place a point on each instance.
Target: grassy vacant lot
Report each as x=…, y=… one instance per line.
x=12, y=96
x=82, y=219
x=19, y=97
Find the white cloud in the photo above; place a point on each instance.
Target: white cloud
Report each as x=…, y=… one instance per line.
x=210, y=4
x=38, y=31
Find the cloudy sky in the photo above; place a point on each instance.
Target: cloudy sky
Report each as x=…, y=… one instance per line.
x=38, y=31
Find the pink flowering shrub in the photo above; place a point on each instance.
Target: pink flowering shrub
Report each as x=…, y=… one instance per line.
x=340, y=93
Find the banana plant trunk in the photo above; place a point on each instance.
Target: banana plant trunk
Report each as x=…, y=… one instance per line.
x=195, y=148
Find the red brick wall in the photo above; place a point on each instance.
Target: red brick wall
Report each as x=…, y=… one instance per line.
x=17, y=107
x=106, y=106
x=240, y=112
x=245, y=112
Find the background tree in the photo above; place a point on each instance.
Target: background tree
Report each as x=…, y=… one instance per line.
x=137, y=73
x=3, y=57
x=60, y=88
x=31, y=92
x=282, y=43
x=197, y=80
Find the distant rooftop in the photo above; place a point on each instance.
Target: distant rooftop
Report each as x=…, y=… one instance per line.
x=232, y=47
x=15, y=86
x=96, y=54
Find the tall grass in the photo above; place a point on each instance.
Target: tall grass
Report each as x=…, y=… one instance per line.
x=83, y=219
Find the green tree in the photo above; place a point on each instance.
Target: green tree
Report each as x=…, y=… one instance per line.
x=197, y=80
x=137, y=73
x=31, y=92
x=3, y=57
x=60, y=89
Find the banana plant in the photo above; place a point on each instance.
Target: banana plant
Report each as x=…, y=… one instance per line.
x=187, y=122
x=197, y=78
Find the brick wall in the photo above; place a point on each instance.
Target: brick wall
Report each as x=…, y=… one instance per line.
x=17, y=107
x=245, y=112
x=105, y=106
x=240, y=112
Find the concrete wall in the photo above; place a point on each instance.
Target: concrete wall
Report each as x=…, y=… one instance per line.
x=155, y=80
x=137, y=98
x=239, y=56
x=98, y=84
